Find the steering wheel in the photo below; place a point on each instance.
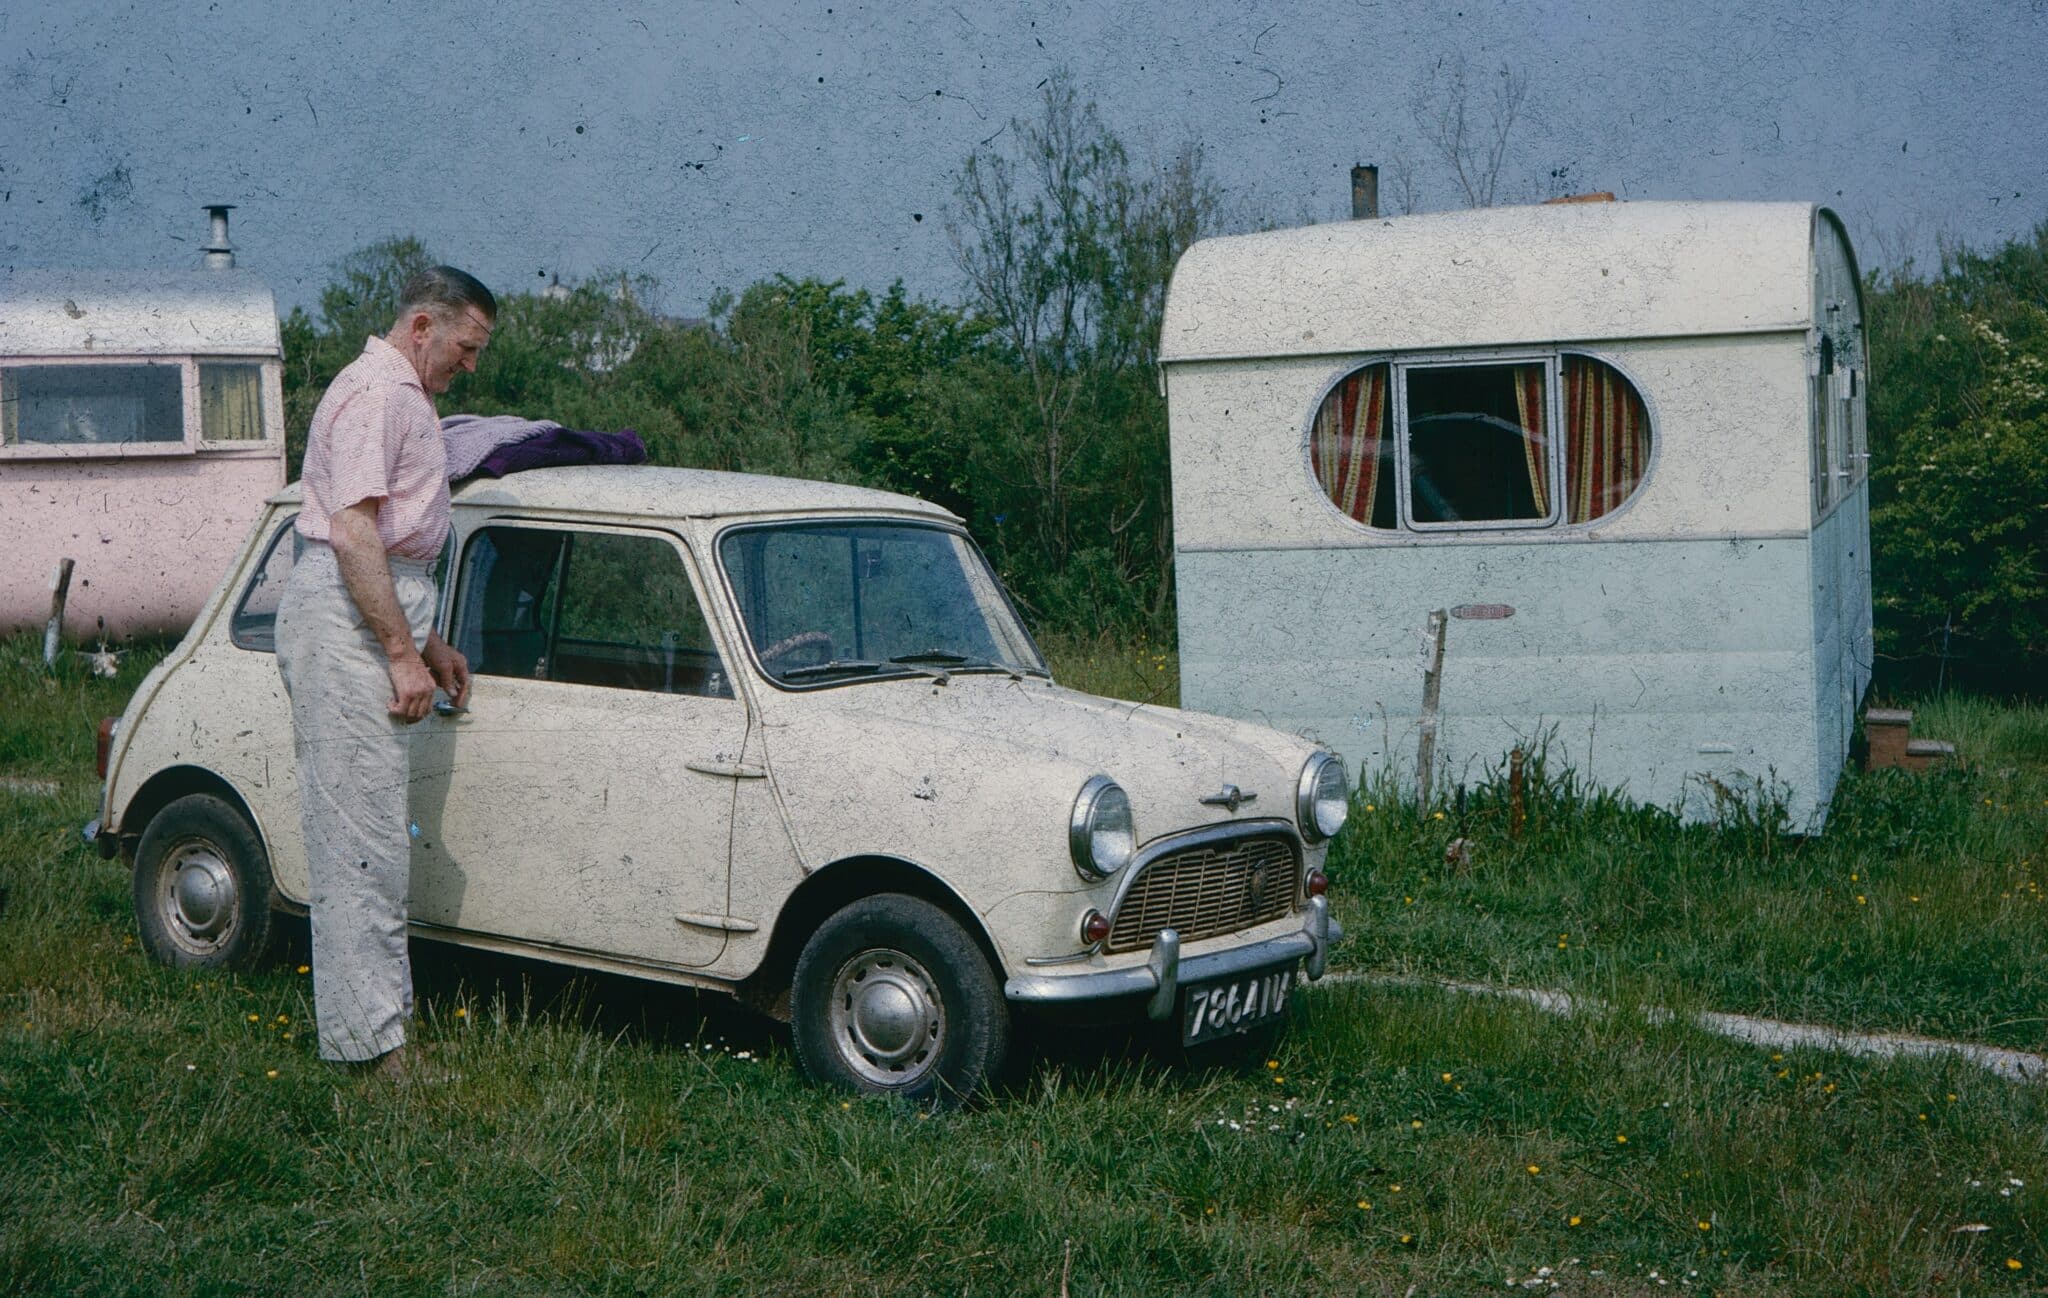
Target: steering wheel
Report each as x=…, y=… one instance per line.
x=818, y=642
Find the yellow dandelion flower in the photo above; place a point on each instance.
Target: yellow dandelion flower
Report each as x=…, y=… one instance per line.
x=1351, y=1118
x=1859, y=899
x=1417, y=1122
x=1395, y=1188
x=1534, y=1170
x=1407, y=1239
x=1272, y=1063
x=1364, y=1205
x=1573, y=1222
x=1436, y=815
x=1951, y=1097
x=2012, y=1264
x=1620, y=1139
x=1209, y=1211
x=287, y=1036
x=1447, y=1077
x=284, y=1018
x=255, y=1018
x=1278, y=1080
x=1923, y=1117
x=1706, y=1225
x=271, y=1073
x=305, y=968
x=1370, y=807
x=461, y=1013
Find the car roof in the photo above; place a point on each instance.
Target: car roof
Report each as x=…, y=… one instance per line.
x=650, y=491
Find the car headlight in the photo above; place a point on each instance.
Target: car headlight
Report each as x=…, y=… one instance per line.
x=1099, y=834
x=1322, y=801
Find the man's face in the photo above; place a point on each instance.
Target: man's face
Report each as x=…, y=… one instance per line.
x=449, y=344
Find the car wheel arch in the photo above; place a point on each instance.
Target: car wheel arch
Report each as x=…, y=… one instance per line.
x=831, y=888
x=167, y=786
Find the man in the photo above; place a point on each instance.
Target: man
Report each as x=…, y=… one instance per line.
x=359, y=655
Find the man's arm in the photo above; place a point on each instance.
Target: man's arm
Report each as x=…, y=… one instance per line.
x=359, y=552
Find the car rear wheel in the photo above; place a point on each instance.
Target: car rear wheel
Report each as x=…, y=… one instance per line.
x=892, y=996
x=202, y=886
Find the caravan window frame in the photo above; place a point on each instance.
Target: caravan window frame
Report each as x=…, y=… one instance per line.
x=1552, y=357
x=193, y=441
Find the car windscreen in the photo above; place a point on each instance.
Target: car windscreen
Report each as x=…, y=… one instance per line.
x=828, y=603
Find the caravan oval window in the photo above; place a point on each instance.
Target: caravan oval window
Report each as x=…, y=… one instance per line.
x=1522, y=444
x=1351, y=446
x=1606, y=439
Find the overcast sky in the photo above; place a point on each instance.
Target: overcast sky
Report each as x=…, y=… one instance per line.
x=713, y=144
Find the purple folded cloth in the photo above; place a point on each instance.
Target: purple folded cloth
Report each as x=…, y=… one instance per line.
x=470, y=438
x=565, y=446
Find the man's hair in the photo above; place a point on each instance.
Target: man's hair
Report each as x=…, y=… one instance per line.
x=445, y=290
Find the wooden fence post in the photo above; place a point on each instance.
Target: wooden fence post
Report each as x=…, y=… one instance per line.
x=1432, y=690
x=60, y=588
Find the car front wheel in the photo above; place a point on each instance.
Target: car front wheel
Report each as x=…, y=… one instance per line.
x=202, y=886
x=894, y=997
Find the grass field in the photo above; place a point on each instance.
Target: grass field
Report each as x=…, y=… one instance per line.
x=168, y=1134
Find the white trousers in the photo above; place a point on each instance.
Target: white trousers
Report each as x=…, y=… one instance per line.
x=354, y=772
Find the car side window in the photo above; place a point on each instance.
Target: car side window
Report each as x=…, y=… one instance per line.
x=254, y=624
x=585, y=608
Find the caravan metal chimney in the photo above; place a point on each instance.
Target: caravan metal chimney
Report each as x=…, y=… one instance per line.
x=220, y=254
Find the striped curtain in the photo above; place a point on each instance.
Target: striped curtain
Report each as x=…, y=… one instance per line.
x=1535, y=444
x=1607, y=439
x=1349, y=442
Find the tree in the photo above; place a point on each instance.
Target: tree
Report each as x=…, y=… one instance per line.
x=1468, y=138
x=1959, y=472
x=1067, y=247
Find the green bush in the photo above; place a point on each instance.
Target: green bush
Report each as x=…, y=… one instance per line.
x=1959, y=442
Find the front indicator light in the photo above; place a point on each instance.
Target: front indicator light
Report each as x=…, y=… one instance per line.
x=1095, y=928
x=1318, y=884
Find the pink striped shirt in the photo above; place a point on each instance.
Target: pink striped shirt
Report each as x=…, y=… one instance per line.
x=376, y=437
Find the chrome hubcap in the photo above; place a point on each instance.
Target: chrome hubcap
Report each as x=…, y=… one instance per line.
x=198, y=895
x=887, y=1018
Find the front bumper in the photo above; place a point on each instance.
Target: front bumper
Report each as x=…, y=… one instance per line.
x=1158, y=980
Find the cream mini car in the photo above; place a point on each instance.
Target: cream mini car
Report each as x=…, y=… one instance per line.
x=786, y=740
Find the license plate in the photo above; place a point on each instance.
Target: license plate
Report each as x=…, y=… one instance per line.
x=1221, y=1009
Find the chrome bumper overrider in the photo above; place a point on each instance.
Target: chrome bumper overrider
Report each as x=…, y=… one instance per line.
x=1160, y=977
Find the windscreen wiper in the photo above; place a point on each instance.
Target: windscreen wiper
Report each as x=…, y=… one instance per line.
x=960, y=661
x=849, y=666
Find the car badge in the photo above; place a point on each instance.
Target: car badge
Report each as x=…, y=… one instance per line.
x=1231, y=798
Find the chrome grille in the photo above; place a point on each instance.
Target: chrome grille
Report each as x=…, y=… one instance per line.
x=1205, y=890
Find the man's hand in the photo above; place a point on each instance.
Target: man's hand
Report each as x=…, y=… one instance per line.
x=449, y=668
x=412, y=687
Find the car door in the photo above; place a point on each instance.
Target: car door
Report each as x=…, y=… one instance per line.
x=584, y=798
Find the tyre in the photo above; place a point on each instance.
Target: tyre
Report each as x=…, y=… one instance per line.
x=893, y=997
x=202, y=886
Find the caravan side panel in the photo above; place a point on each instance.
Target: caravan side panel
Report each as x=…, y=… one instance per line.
x=1665, y=669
